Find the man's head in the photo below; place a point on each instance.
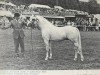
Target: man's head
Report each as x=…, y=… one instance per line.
x=33, y=20
x=16, y=15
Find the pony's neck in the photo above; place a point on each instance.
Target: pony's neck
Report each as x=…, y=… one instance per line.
x=43, y=23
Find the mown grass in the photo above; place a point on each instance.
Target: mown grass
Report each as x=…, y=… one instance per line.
x=63, y=53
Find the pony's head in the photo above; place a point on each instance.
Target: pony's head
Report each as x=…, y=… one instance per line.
x=41, y=22
x=33, y=22
x=22, y=17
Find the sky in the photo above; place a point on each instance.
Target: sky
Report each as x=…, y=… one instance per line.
x=88, y=0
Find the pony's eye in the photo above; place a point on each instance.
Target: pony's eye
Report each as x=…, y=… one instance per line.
x=37, y=20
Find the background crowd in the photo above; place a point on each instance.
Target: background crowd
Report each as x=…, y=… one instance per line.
x=57, y=15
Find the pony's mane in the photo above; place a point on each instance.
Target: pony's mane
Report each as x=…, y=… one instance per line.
x=43, y=19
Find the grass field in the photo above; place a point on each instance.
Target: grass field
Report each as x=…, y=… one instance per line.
x=63, y=53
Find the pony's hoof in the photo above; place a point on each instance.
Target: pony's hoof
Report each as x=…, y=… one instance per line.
x=46, y=58
x=75, y=59
x=82, y=59
x=50, y=57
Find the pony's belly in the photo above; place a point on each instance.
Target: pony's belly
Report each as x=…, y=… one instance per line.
x=59, y=37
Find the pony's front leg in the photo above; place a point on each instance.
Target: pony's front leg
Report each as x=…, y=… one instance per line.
x=47, y=52
x=47, y=49
x=50, y=57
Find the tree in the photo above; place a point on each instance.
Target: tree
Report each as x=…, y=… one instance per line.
x=84, y=6
x=92, y=6
x=72, y=4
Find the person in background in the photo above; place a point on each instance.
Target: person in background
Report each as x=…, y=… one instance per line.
x=18, y=34
x=69, y=23
x=97, y=25
x=4, y=21
x=28, y=21
x=73, y=24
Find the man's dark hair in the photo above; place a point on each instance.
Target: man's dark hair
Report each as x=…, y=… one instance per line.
x=16, y=15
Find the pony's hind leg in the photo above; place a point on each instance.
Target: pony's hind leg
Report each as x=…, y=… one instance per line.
x=80, y=52
x=76, y=50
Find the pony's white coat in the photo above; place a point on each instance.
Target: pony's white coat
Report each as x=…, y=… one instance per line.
x=51, y=32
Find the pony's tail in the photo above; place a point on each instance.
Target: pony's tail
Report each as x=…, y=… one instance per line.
x=80, y=46
x=79, y=38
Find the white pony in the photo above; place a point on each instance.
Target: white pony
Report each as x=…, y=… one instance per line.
x=51, y=33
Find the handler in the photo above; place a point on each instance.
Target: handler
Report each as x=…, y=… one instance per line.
x=18, y=34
